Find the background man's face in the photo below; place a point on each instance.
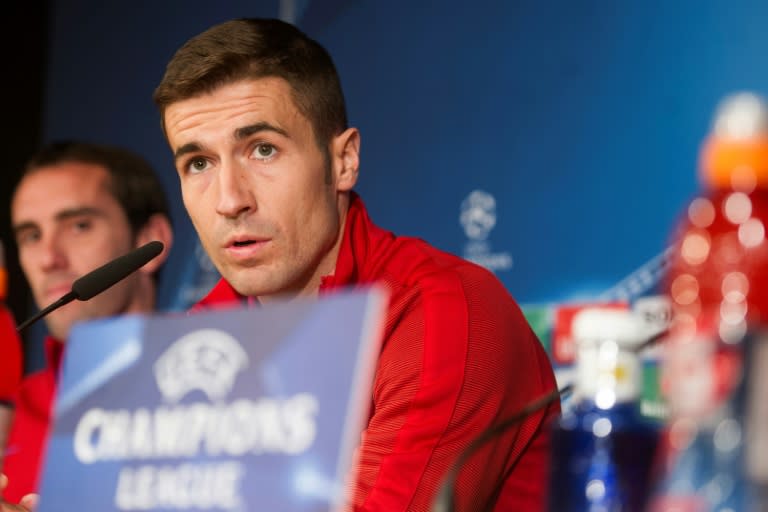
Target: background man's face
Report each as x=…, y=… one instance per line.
x=255, y=185
x=67, y=223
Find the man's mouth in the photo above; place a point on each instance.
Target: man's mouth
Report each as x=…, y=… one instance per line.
x=54, y=292
x=246, y=249
x=244, y=243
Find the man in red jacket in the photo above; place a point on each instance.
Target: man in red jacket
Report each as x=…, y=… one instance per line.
x=78, y=205
x=255, y=117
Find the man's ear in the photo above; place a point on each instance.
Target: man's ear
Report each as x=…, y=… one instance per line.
x=345, y=159
x=158, y=227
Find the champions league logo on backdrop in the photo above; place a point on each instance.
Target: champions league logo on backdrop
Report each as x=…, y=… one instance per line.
x=478, y=218
x=190, y=453
x=478, y=215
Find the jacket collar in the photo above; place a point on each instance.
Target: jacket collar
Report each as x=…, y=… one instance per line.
x=54, y=352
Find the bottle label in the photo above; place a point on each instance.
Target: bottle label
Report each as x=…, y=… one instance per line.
x=607, y=375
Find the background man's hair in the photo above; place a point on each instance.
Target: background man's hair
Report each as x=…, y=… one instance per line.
x=133, y=182
x=259, y=48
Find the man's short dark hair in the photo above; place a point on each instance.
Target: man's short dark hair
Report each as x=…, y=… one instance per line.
x=132, y=180
x=259, y=48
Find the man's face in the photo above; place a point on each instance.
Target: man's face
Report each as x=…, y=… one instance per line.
x=66, y=224
x=264, y=199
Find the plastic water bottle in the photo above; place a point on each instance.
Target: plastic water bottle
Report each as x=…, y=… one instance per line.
x=714, y=455
x=602, y=447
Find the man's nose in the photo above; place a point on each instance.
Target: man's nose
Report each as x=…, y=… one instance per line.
x=52, y=254
x=235, y=194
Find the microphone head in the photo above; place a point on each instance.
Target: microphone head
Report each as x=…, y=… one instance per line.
x=96, y=281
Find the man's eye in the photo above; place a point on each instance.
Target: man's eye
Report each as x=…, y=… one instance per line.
x=27, y=237
x=265, y=151
x=197, y=164
x=82, y=225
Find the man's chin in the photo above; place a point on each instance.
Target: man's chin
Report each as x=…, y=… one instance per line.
x=251, y=282
x=59, y=334
x=248, y=289
x=60, y=328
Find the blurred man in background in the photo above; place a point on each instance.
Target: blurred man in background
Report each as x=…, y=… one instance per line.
x=78, y=205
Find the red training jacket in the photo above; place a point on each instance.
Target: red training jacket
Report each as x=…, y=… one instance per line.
x=10, y=357
x=457, y=357
x=31, y=423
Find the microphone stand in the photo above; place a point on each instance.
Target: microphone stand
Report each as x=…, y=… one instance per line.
x=96, y=281
x=444, y=500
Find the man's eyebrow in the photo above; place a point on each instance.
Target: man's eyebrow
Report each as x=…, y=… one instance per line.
x=69, y=213
x=246, y=131
x=23, y=226
x=240, y=134
x=82, y=211
x=191, y=147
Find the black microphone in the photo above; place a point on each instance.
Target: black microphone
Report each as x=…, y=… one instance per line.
x=96, y=281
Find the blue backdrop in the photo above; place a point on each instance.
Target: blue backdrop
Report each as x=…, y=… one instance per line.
x=554, y=142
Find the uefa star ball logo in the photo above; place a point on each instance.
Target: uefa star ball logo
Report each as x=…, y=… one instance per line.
x=478, y=218
x=207, y=360
x=478, y=215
